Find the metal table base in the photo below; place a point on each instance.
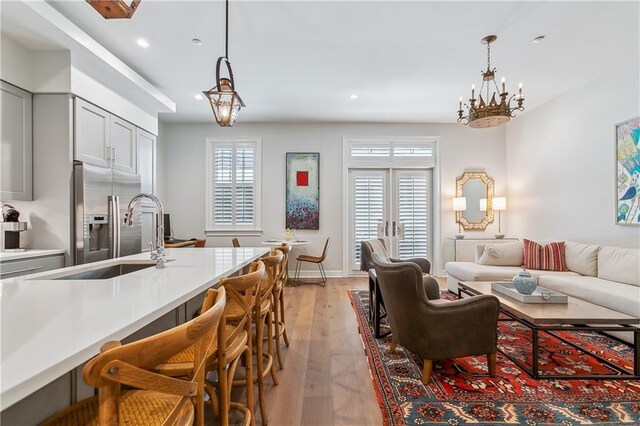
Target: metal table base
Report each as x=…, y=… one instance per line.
x=534, y=371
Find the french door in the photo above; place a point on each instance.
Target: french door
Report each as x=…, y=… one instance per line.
x=394, y=204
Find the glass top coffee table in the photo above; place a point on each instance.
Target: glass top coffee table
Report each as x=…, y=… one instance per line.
x=572, y=316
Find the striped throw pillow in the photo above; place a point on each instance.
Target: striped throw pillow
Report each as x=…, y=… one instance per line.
x=548, y=257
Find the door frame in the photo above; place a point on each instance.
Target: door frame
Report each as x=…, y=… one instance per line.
x=436, y=268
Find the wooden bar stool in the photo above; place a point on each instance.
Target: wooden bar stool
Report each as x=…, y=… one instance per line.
x=232, y=342
x=164, y=400
x=263, y=312
x=279, y=322
x=313, y=259
x=235, y=242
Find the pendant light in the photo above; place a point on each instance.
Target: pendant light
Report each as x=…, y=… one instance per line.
x=225, y=101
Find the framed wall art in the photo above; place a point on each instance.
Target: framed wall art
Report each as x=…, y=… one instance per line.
x=303, y=190
x=628, y=172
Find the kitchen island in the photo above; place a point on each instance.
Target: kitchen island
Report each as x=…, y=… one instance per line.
x=51, y=326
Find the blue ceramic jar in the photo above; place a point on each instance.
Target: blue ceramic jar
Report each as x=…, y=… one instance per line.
x=524, y=282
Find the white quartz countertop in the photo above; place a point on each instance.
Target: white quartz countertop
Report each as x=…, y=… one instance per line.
x=19, y=255
x=48, y=327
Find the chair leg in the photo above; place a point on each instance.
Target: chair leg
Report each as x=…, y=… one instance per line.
x=296, y=278
x=223, y=395
x=260, y=370
x=323, y=283
x=284, y=324
x=270, y=346
x=492, y=361
x=276, y=323
x=392, y=348
x=426, y=371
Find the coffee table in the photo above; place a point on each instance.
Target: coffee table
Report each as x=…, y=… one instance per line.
x=573, y=316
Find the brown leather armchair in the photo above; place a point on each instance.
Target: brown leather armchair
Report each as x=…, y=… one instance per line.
x=435, y=329
x=367, y=248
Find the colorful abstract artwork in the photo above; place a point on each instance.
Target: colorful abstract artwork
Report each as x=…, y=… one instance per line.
x=628, y=172
x=303, y=190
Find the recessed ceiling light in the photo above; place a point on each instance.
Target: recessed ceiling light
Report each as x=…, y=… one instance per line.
x=142, y=43
x=354, y=96
x=198, y=96
x=197, y=41
x=539, y=39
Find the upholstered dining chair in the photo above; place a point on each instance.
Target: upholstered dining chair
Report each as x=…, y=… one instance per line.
x=155, y=398
x=435, y=329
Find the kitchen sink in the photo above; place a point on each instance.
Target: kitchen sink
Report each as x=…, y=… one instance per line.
x=107, y=272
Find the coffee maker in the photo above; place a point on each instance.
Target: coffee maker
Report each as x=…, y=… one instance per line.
x=10, y=229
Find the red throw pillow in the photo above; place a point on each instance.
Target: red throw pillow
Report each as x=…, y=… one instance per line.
x=548, y=257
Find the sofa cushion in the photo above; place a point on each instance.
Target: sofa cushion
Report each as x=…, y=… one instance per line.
x=582, y=258
x=549, y=257
x=507, y=254
x=619, y=264
x=468, y=271
x=479, y=251
x=610, y=294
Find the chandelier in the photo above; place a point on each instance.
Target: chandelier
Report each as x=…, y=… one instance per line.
x=115, y=9
x=489, y=111
x=225, y=101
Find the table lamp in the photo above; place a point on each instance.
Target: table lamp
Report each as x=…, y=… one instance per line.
x=459, y=205
x=499, y=204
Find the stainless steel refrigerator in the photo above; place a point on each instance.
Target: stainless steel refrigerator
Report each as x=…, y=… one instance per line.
x=101, y=196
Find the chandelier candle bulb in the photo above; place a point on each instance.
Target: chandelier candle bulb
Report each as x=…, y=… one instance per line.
x=473, y=91
x=504, y=90
x=460, y=100
x=520, y=90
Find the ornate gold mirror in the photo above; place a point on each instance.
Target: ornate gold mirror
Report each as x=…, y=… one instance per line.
x=475, y=186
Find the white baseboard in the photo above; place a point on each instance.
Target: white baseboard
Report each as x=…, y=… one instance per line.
x=314, y=273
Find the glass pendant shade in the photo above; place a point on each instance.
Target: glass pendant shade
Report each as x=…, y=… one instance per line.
x=225, y=101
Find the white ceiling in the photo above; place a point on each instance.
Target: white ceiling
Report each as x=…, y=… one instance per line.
x=407, y=61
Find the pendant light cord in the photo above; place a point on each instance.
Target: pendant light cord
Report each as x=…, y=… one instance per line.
x=226, y=36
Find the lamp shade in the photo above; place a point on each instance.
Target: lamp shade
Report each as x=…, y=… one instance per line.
x=499, y=203
x=483, y=204
x=459, y=204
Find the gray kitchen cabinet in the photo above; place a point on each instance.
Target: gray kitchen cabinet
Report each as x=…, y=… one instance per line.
x=102, y=139
x=122, y=136
x=146, y=156
x=34, y=265
x=16, y=149
x=92, y=125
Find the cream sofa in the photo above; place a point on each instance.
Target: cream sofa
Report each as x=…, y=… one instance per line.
x=606, y=276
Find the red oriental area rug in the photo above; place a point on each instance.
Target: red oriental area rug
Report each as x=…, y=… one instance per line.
x=461, y=392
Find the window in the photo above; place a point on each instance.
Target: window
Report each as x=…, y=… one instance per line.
x=233, y=186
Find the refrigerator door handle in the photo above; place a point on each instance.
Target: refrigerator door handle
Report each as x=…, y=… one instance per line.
x=116, y=227
x=114, y=214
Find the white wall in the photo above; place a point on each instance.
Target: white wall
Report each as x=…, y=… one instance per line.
x=561, y=163
x=181, y=172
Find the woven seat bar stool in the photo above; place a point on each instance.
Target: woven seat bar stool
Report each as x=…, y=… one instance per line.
x=164, y=400
x=231, y=344
x=263, y=313
x=313, y=259
x=279, y=323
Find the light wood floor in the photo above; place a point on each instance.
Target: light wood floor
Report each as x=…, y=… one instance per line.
x=325, y=380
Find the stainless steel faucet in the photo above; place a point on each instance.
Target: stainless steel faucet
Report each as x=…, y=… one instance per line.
x=156, y=250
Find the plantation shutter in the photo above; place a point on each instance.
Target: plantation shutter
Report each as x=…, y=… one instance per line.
x=368, y=193
x=223, y=186
x=234, y=185
x=412, y=213
x=244, y=208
